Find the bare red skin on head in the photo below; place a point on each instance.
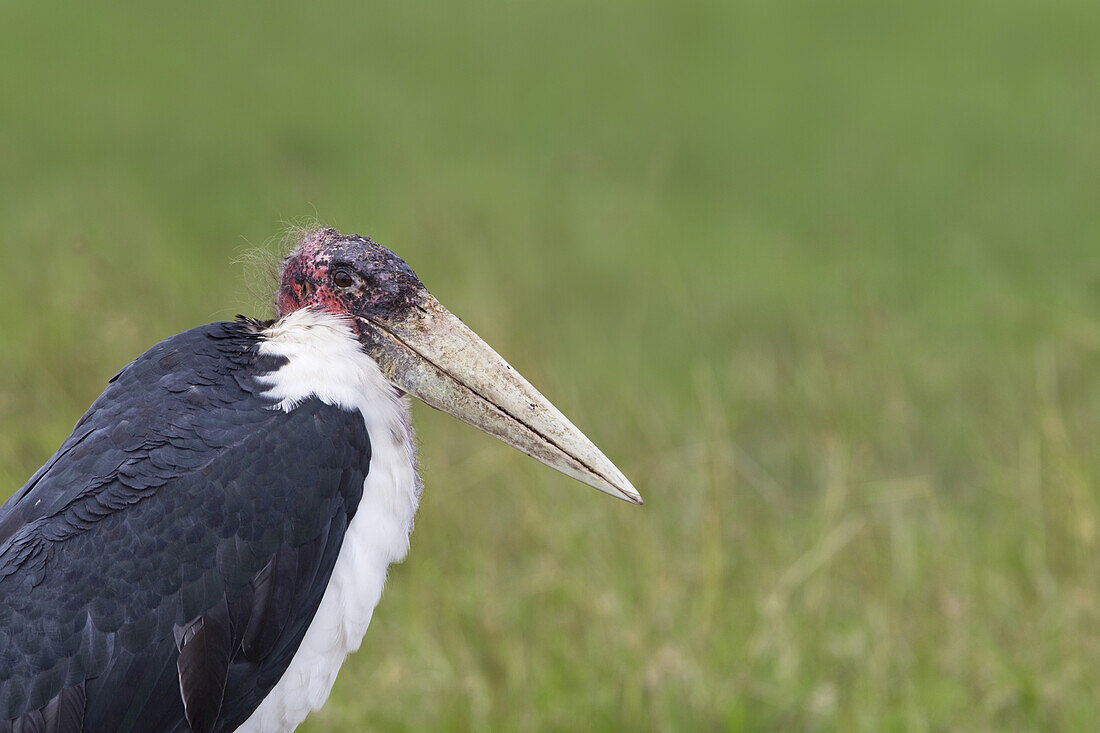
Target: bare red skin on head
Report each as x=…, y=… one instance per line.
x=305, y=282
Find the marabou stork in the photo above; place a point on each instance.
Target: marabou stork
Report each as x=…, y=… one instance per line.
x=210, y=542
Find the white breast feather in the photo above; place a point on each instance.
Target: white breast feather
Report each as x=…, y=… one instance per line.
x=325, y=361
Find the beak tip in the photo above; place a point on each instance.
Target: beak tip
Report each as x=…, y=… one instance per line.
x=627, y=492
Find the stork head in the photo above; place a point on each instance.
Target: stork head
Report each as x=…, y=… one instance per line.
x=424, y=350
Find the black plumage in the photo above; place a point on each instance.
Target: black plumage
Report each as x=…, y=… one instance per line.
x=178, y=542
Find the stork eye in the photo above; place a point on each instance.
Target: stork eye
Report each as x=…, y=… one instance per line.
x=343, y=278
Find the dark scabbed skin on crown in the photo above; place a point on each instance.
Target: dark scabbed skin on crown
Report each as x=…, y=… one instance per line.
x=182, y=537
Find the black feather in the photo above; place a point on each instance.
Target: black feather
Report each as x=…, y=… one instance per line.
x=203, y=665
x=65, y=713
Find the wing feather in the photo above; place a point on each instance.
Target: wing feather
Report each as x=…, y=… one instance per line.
x=183, y=501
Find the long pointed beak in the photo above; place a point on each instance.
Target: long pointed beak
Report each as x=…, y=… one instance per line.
x=432, y=355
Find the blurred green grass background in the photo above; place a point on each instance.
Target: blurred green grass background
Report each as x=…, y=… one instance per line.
x=823, y=278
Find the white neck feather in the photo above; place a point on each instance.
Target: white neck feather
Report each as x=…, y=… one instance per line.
x=324, y=360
